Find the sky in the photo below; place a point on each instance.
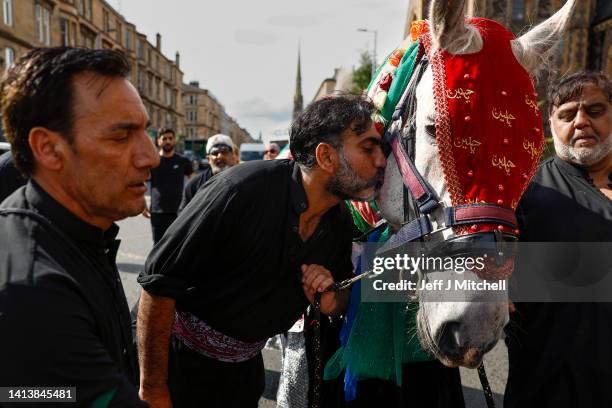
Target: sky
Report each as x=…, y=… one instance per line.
x=245, y=51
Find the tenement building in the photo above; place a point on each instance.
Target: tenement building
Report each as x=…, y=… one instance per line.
x=95, y=24
x=205, y=116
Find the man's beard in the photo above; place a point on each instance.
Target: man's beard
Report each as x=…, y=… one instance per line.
x=346, y=184
x=167, y=148
x=219, y=168
x=584, y=156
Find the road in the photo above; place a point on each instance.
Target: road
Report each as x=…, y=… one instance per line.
x=136, y=242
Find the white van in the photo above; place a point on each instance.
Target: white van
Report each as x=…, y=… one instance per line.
x=4, y=147
x=251, y=151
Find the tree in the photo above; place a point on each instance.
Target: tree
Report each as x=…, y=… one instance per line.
x=363, y=74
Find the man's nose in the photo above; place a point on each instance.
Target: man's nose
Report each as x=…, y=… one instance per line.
x=582, y=119
x=380, y=161
x=145, y=153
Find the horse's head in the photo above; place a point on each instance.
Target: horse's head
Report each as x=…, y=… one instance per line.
x=463, y=166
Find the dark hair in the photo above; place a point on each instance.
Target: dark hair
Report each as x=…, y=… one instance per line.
x=38, y=91
x=326, y=121
x=163, y=131
x=571, y=87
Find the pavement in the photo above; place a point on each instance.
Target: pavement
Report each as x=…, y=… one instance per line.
x=136, y=242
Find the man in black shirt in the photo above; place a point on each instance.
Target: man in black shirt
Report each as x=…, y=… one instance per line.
x=64, y=318
x=222, y=154
x=246, y=256
x=10, y=178
x=167, y=181
x=560, y=353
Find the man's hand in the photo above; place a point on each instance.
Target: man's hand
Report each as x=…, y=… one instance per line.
x=146, y=213
x=316, y=278
x=158, y=398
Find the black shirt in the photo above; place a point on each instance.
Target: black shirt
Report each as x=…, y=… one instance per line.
x=10, y=178
x=193, y=185
x=560, y=354
x=64, y=318
x=233, y=256
x=167, y=181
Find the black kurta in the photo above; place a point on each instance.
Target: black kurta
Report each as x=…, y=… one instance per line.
x=233, y=256
x=561, y=353
x=64, y=318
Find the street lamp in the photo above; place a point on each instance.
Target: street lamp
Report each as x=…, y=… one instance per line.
x=366, y=30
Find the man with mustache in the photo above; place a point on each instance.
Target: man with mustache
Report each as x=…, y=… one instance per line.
x=222, y=154
x=248, y=254
x=167, y=181
x=559, y=353
x=64, y=318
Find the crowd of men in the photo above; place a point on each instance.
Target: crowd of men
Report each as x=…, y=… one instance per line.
x=240, y=250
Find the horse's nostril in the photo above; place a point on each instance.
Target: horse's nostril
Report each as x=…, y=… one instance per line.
x=450, y=341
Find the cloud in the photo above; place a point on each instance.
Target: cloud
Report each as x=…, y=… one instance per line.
x=296, y=21
x=254, y=36
x=260, y=109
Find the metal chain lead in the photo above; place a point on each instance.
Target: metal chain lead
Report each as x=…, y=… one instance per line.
x=318, y=358
x=486, y=388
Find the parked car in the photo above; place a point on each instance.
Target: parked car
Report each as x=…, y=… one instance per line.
x=251, y=151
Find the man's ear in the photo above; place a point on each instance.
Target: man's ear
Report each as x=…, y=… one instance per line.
x=49, y=148
x=327, y=157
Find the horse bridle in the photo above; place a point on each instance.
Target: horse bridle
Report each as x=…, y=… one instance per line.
x=421, y=200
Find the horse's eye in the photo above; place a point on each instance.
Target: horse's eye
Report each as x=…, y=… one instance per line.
x=430, y=130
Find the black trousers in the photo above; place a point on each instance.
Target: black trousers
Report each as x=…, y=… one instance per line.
x=160, y=223
x=199, y=381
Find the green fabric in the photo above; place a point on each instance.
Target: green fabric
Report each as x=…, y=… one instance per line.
x=382, y=338
x=401, y=77
x=104, y=400
x=383, y=335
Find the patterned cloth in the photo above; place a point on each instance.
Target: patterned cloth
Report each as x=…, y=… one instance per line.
x=202, y=338
x=293, y=385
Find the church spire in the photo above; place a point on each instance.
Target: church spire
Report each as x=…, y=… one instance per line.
x=298, y=100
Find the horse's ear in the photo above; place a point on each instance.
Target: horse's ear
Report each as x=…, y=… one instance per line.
x=447, y=24
x=532, y=49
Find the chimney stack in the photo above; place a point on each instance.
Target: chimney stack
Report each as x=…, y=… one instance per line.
x=177, y=59
x=158, y=41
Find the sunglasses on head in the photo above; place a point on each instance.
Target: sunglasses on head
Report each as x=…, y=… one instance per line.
x=271, y=151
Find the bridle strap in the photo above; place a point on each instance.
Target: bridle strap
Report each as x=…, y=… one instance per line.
x=484, y=213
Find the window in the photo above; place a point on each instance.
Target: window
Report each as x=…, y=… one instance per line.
x=7, y=8
x=142, y=86
x=118, y=31
x=193, y=99
x=518, y=11
x=84, y=7
x=169, y=120
x=106, y=21
x=9, y=57
x=168, y=96
x=155, y=92
x=42, y=24
x=128, y=39
x=88, y=38
x=67, y=32
x=192, y=116
x=139, y=49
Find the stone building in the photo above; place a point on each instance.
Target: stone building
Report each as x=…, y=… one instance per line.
x=340, y=82
x=206, y=116
x=95, y=24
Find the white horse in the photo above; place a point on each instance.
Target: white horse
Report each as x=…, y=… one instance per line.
x=458, y=333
